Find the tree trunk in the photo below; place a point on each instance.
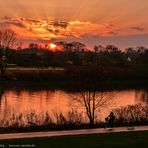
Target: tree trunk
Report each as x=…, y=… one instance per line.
x=91, y=121
x=3, y=66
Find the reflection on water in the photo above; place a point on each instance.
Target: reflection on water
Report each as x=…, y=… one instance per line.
x=141, y=96
x=22, y=101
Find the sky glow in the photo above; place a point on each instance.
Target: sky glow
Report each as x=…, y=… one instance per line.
x=119, y=22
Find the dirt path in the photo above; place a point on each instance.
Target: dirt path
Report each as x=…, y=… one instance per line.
x=71, y=132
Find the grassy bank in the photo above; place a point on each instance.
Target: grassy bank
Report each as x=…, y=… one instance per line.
x=131, y=115
x=110, y=140
x=70, y=79
x=35, y=74
x=76, y=73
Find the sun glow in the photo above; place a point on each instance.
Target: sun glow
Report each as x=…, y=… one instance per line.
x=52, y=46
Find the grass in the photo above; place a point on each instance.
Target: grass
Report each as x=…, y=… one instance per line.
x=33, y=74
x=25, y=122
x=109, y=140
x=34, y=69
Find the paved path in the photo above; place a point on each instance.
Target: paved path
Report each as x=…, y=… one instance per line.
x=71, y=132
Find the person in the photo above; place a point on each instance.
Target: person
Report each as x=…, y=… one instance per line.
x=110, y=120
x=130, y=125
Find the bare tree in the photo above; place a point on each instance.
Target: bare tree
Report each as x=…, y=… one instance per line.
x=8, y=40
x=92, y=102
x=2, y=92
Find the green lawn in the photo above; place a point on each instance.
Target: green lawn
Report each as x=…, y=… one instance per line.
x=111, y=140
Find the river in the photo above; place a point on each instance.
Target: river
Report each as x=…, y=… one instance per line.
x=18, y=101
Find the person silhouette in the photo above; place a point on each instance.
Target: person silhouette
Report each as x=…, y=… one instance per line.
x=110, y=119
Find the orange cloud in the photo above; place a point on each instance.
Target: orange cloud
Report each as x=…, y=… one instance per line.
x=45, y=30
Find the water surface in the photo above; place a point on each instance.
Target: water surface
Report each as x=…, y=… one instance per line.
x=40, y=101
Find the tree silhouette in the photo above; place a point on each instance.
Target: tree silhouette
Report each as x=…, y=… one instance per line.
x=8, y=40
x=92, y=101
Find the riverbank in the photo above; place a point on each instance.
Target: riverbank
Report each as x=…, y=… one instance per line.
x=76, y=73
x=73, y=85
x=130, y=116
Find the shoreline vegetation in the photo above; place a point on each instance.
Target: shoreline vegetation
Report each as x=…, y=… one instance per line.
x=76, y=73
x=129, y=116
x=70, y=78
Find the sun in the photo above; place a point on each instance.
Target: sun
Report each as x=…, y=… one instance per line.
x=52, y=46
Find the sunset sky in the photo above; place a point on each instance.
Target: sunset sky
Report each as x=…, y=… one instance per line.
x=120, y=22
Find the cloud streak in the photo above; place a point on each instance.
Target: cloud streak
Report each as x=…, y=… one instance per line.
x=138, y=28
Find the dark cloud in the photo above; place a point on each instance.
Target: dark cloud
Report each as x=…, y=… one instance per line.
x=61, y=24
x=138, y=28
x=33, y=20
x=112, y=33
x=7, y=21
x=6, y=17
x=21, y=19
x=18, y=24
x=2, y=24
x=69, y=35
x=89, y=36
x=43, y=41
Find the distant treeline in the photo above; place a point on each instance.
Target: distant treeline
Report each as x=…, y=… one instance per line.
x=101, y=63
x=101, y=56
